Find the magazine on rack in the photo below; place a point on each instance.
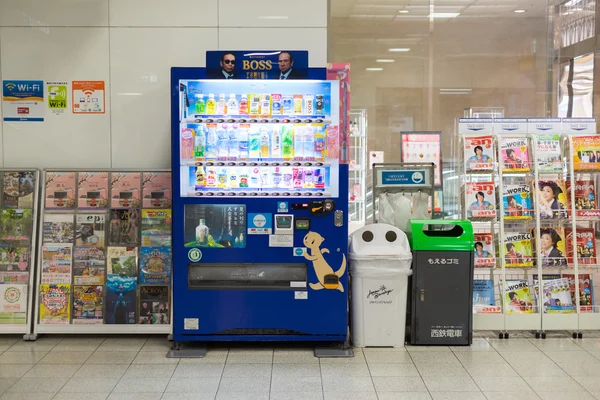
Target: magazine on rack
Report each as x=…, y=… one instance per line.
x=154, y=305
x=556, y=294
x=17, y=225
x=585, y=195
x=155, y=265
x=26, y=188
x=58, y=228
x=548, y=154
x=484, y=250
x=480, y=198
x=14, y=264
x=90, y=230
x=517, y=202
x=13, y=304
x=586, y=291
x=586, y=153
x=87, y=304
x=479, y=153
x=586, y=246
x=89, y=266
x=552, y=199
x=518, y=297
x=156, y=190
x=60, y=190
x=10, y=194
x=56, y=263
x=122, y=261
x=92, y=190
x=55, y=304
x=124, y=227
x=125, y=190
x=518, y=251
x=515, y=154
x=121, y=299
x=156, y=227
x=552, y=246
x=484, y=298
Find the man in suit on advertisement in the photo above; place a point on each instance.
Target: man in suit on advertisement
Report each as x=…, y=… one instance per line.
x=227, y=70
x=286, y=67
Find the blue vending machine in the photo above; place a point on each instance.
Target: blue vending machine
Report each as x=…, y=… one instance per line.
x=260, y=210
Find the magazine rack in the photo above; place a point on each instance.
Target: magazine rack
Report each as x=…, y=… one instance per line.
x=154, y=194
x=545, y=272
x=13, y=303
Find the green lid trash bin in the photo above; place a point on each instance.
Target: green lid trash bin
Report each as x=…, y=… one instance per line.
x=442, y=283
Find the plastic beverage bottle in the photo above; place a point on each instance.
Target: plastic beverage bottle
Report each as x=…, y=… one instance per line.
x=254, y=143
x=222, y=144
x=222, y=180
x=276, y=142
x=244, y=105
x=254, y=104
x=254, y=177
x=277, y=177
x=233, y=143
x=234, y=181
x=265, y=105
x=243, y=177
x=265, y=177
x=243, y=143
x=200, y=105
x=320, y=142
x=265, y=143
x=211, y=142
x=309, y=142
x=201, y=231
x=309, y=104
x=200, y=142
x=298, y=142
x=287, y=181
x=287, y=141
x=309, y=179
x=221, y=105
x=232, y=105
x=211, y=105
x=211, y=177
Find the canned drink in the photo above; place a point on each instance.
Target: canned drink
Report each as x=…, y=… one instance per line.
x=320, y=106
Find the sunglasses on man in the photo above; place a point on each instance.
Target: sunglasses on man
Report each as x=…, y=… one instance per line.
x=229, y=61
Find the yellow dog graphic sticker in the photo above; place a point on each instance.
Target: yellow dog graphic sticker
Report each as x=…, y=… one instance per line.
x=328, y=279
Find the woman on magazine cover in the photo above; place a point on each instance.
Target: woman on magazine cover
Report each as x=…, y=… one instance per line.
x=551, y=255
x=550, y=206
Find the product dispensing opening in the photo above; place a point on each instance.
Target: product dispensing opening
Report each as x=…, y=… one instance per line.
x=258, y=276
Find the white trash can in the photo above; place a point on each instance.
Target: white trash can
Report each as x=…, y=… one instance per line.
x=380, y=264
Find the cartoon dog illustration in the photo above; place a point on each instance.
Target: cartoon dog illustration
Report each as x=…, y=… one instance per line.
x=328, y=279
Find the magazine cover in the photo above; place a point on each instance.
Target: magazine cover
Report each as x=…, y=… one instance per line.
x=56, y=263
x=518, y=250
x=10, y=193
x=556, y=294
x=480, y=198
x=125, y=189
x=586, y=153
x=515, y=154
x=585, y=194
x=479, y=153
x=26, y=188
x=17, y=224
x=124, y=227
x=156, y=190
x=122, y=261
x=60, y=190
x=518, y=297
x=13, y=304
x=552, y=246
x=484, y=299
x=517, y=202
x=156, y=227
x=552, y=199
x=89, y=266
x=586, y=246
x=548, y=153
x=155, y=265
x=55, y=307
x=484, y=250
x=90, y=230
x=154, y=305
x=58, y=228
x=121, y=299
x=92, y=190
x=14, y=264
x=87, y=304
x=586, y=295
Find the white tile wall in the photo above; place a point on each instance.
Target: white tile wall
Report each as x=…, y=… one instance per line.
x=273, y=13
x=36, y=13
x=131, y=44
x=141, y=89
x=192, y=13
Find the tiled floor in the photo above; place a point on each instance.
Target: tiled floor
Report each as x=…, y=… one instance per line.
x=136, y=368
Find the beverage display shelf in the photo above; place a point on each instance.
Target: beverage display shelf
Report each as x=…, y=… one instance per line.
x=256, y=163
x=258, y=193
x=257, y=119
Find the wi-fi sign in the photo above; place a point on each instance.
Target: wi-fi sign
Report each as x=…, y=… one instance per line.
x=10, y=86
x=58, y=92
x=88, y=92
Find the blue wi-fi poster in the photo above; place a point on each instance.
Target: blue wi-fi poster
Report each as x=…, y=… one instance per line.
x=257, y=64
x=23, y=101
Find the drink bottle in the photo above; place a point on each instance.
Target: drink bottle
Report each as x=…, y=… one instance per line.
x=243, y=143
x=276, y=142
x=232, y=105
x=200, y=105
x=233, y=143
x=264, y=143
x=221, y=105
x=287, y=142
x=211, y=142
x=244, y=105
x=222, y=146
x=211, y=105
x=254, y=143
x=309, y=142
x=298, y=141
